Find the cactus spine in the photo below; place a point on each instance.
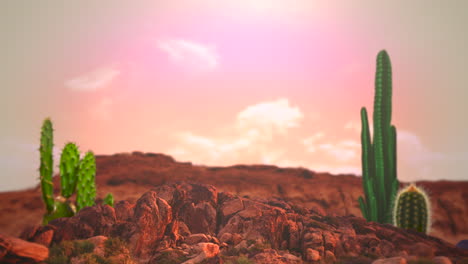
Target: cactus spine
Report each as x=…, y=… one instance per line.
x=412, y=209
x=47, y=164
x=86, y=187
x=379, y=177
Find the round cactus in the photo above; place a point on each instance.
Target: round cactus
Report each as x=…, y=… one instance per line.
x=69, y=161
x=86, y=187
x=47, y=164
x=412, y=209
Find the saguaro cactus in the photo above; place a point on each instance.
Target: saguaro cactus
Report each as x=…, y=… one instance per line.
x=412, y=209
x=379, y=177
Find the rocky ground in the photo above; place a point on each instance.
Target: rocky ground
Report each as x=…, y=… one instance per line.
x=194, y=223
x=262, y=213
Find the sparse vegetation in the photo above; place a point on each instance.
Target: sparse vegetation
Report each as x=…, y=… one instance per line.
x=171, y=257
x=115, y=252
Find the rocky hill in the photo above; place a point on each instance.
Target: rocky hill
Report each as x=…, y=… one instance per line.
x=128, y=176
x=194, y=223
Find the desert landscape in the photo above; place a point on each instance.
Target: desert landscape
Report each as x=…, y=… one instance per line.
x=329, y=201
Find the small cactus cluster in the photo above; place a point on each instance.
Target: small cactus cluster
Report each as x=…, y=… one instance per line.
x=412, y=209
x=76, y=176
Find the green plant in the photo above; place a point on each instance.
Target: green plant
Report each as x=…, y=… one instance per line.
x=114, y=246
x=109, y=200
x=243, y=260
x=86, y=187
x=412, y=209
x=75, y=176
x=379, y=177
x=63, y=252
x=47, y=164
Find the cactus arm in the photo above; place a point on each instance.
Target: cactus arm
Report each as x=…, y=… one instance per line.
x=47, y=164
x=391, y=180
x=367, y=162
x=363, y=206
x=86, y=187
x=69, y=162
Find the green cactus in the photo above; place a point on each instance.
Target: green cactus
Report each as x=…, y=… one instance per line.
x=109, y=200
x=62, y=208
x=47, y=164
x=86, y=187
x=75, y=176
x=69, y=161
x=379, y=177
x=412, y=209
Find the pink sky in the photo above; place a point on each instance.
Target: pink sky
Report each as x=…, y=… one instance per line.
x=275, y=82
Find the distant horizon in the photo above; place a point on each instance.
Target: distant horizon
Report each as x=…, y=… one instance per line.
x=233, y=82
x=56, y=173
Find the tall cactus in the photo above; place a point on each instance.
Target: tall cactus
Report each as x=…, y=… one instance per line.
x=86, y=187
x=412, y=209
x=47, y=164
x=379, y=178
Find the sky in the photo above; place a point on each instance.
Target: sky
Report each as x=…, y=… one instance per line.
x=220, y=83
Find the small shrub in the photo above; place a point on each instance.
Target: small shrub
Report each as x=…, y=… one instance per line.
x=63, y=252
x=243, y=260
x=114, y=246
x=171, y=257
x=259, y=247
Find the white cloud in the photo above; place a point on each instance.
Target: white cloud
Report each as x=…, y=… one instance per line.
x=94, y=80
x=309, y=142
x=190, y=55
x=102, y=110
x=254, y=130
x=342, y=151
x=269, y=118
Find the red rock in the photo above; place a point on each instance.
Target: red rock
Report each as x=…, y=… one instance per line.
x=152, y=215
x=15, y=250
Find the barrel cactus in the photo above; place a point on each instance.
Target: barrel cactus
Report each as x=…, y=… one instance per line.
x=412, y=209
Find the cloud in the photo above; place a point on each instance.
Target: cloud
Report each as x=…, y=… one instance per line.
x=102, y=111
x=94, y=80
x=254, y=129
x=309, y=142
x=190, y=55
x=269, y=118
x=342, y=151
